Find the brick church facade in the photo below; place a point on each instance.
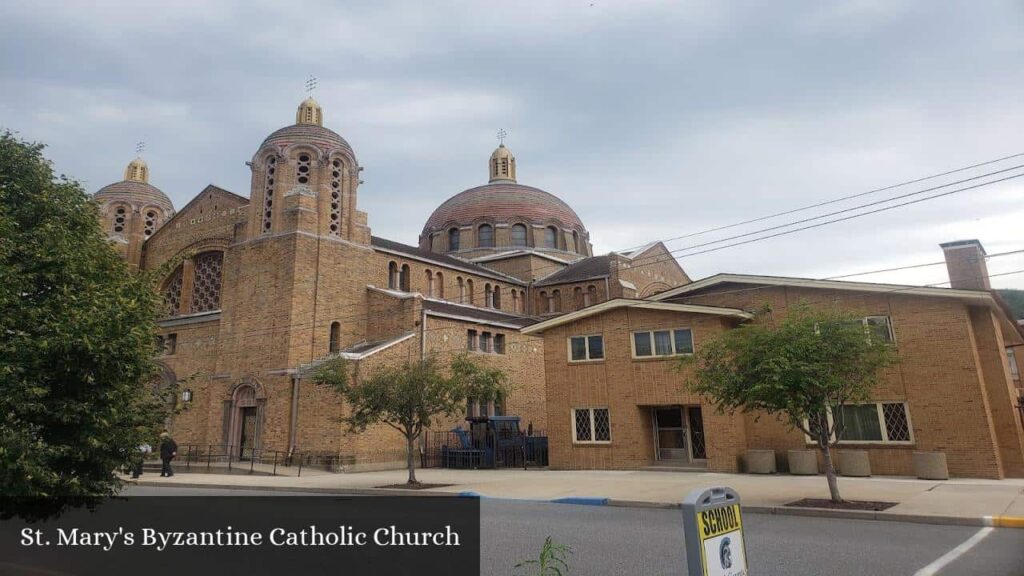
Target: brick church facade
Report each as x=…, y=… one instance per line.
x=259, y=289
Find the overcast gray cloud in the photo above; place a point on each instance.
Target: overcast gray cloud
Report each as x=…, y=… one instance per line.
x=652, y=119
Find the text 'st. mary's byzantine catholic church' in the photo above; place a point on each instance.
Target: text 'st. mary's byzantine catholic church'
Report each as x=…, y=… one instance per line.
x=260, y=290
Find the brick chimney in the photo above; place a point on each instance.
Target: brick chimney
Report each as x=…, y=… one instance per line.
x=965, y=261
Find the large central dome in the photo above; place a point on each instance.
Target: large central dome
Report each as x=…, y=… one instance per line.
x=503, y=216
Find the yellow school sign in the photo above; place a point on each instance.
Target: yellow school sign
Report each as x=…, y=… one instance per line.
x=713, y=531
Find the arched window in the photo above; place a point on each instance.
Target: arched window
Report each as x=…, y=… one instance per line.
x=334, y=228
x=518, y=235
x=335, y=342
x=430, y=283
x=302, y=169
x=576, y=242
x=439, y=285
x=403, y=278
x=485, y=236
x=206, y=282
x=543, y=302
x=393, y=275
x=469, y=291
x=453, y=239
x=268, y=193
x=172, y=292
x=496, y=298
x=578, y=299
x=551, y=237
x=120, y=219
x=462, y=289
x=515, y=301
x=556, y=301
x=488, y=296
x=152, y=219
x=591, y=296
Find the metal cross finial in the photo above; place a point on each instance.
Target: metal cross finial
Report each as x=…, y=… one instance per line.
x=311, y=83
x=139, y=147
x=502, y=135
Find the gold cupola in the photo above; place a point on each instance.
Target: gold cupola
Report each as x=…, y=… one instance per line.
x=309, y=112
x=137, y=171
x=502, y=165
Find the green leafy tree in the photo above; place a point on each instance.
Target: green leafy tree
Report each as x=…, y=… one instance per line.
x=801, y=368
x=407, y=397
x=77, y=345
x=1015, y=300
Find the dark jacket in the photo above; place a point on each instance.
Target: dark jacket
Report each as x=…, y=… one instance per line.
x=167, y=448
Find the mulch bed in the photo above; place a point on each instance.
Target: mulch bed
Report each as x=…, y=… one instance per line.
x=420, y=486
x=844, y=505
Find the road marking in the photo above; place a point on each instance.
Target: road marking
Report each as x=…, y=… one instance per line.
x=948, y=558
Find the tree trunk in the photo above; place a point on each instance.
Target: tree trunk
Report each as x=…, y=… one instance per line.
x=410, y=461
x=830, y=473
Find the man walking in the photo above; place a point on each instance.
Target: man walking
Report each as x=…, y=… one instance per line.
x=168, y=450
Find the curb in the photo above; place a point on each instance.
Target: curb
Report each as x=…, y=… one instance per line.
x=995, y=521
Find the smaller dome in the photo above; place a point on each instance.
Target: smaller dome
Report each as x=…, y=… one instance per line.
x=309, y=112
x=502, y=165
x=135, y=189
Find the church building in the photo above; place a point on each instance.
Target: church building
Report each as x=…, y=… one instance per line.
x=259, y=289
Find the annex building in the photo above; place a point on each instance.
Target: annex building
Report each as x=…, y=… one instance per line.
x=262, y=287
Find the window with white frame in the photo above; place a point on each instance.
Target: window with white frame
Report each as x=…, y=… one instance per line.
x=583, y=348
x=879, y=329
x=875, y=422
x=591, y=426
x=1011, y=358
x=653, y=343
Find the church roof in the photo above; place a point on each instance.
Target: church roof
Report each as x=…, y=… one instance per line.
x=474, y=313
x=502, y=201
x=134, y=190
x=586, y=269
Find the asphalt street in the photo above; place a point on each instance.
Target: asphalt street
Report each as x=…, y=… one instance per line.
x=637, y=541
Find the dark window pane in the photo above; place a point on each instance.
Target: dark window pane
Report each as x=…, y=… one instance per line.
x=684, y=341
x=602, y=425
x=663, y=343
x=579, y=348
x=642, y=343
x=879, y=329
x=596, y=344
x=582, y=417
x=896, y=425
x=485, y=235
x=453, y=239
x=518, y=235
x=861, y=423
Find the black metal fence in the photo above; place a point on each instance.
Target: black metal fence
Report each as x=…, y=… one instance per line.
x=208, y=456
x=478, y=448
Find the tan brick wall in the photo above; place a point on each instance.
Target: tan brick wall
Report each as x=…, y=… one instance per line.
x=629, y=388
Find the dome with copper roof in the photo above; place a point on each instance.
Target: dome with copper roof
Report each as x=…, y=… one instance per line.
x=519, y=216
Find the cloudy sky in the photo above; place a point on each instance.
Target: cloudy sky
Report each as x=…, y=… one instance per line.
x=652, y=119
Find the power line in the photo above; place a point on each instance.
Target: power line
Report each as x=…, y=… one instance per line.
x=836, y=200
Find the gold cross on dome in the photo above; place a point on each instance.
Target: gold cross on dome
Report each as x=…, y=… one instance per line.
x=139, y=147
x=502, y=135
x=311, y=83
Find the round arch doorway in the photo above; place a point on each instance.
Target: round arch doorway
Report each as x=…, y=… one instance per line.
x=244, y=419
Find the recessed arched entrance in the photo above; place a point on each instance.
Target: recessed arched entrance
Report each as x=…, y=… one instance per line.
x=243, y=418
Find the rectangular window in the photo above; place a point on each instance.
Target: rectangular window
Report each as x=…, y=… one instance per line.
x=471, y=340
x=875, y=422
x=485, y=342
x=662, y=343
x=1011, y=358
x=879, y=329
x=583, y=348
x=170, y=344
x=499, y=343
x=591, y=426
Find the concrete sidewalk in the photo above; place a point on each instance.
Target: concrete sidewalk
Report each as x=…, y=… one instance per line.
x=958, y=501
